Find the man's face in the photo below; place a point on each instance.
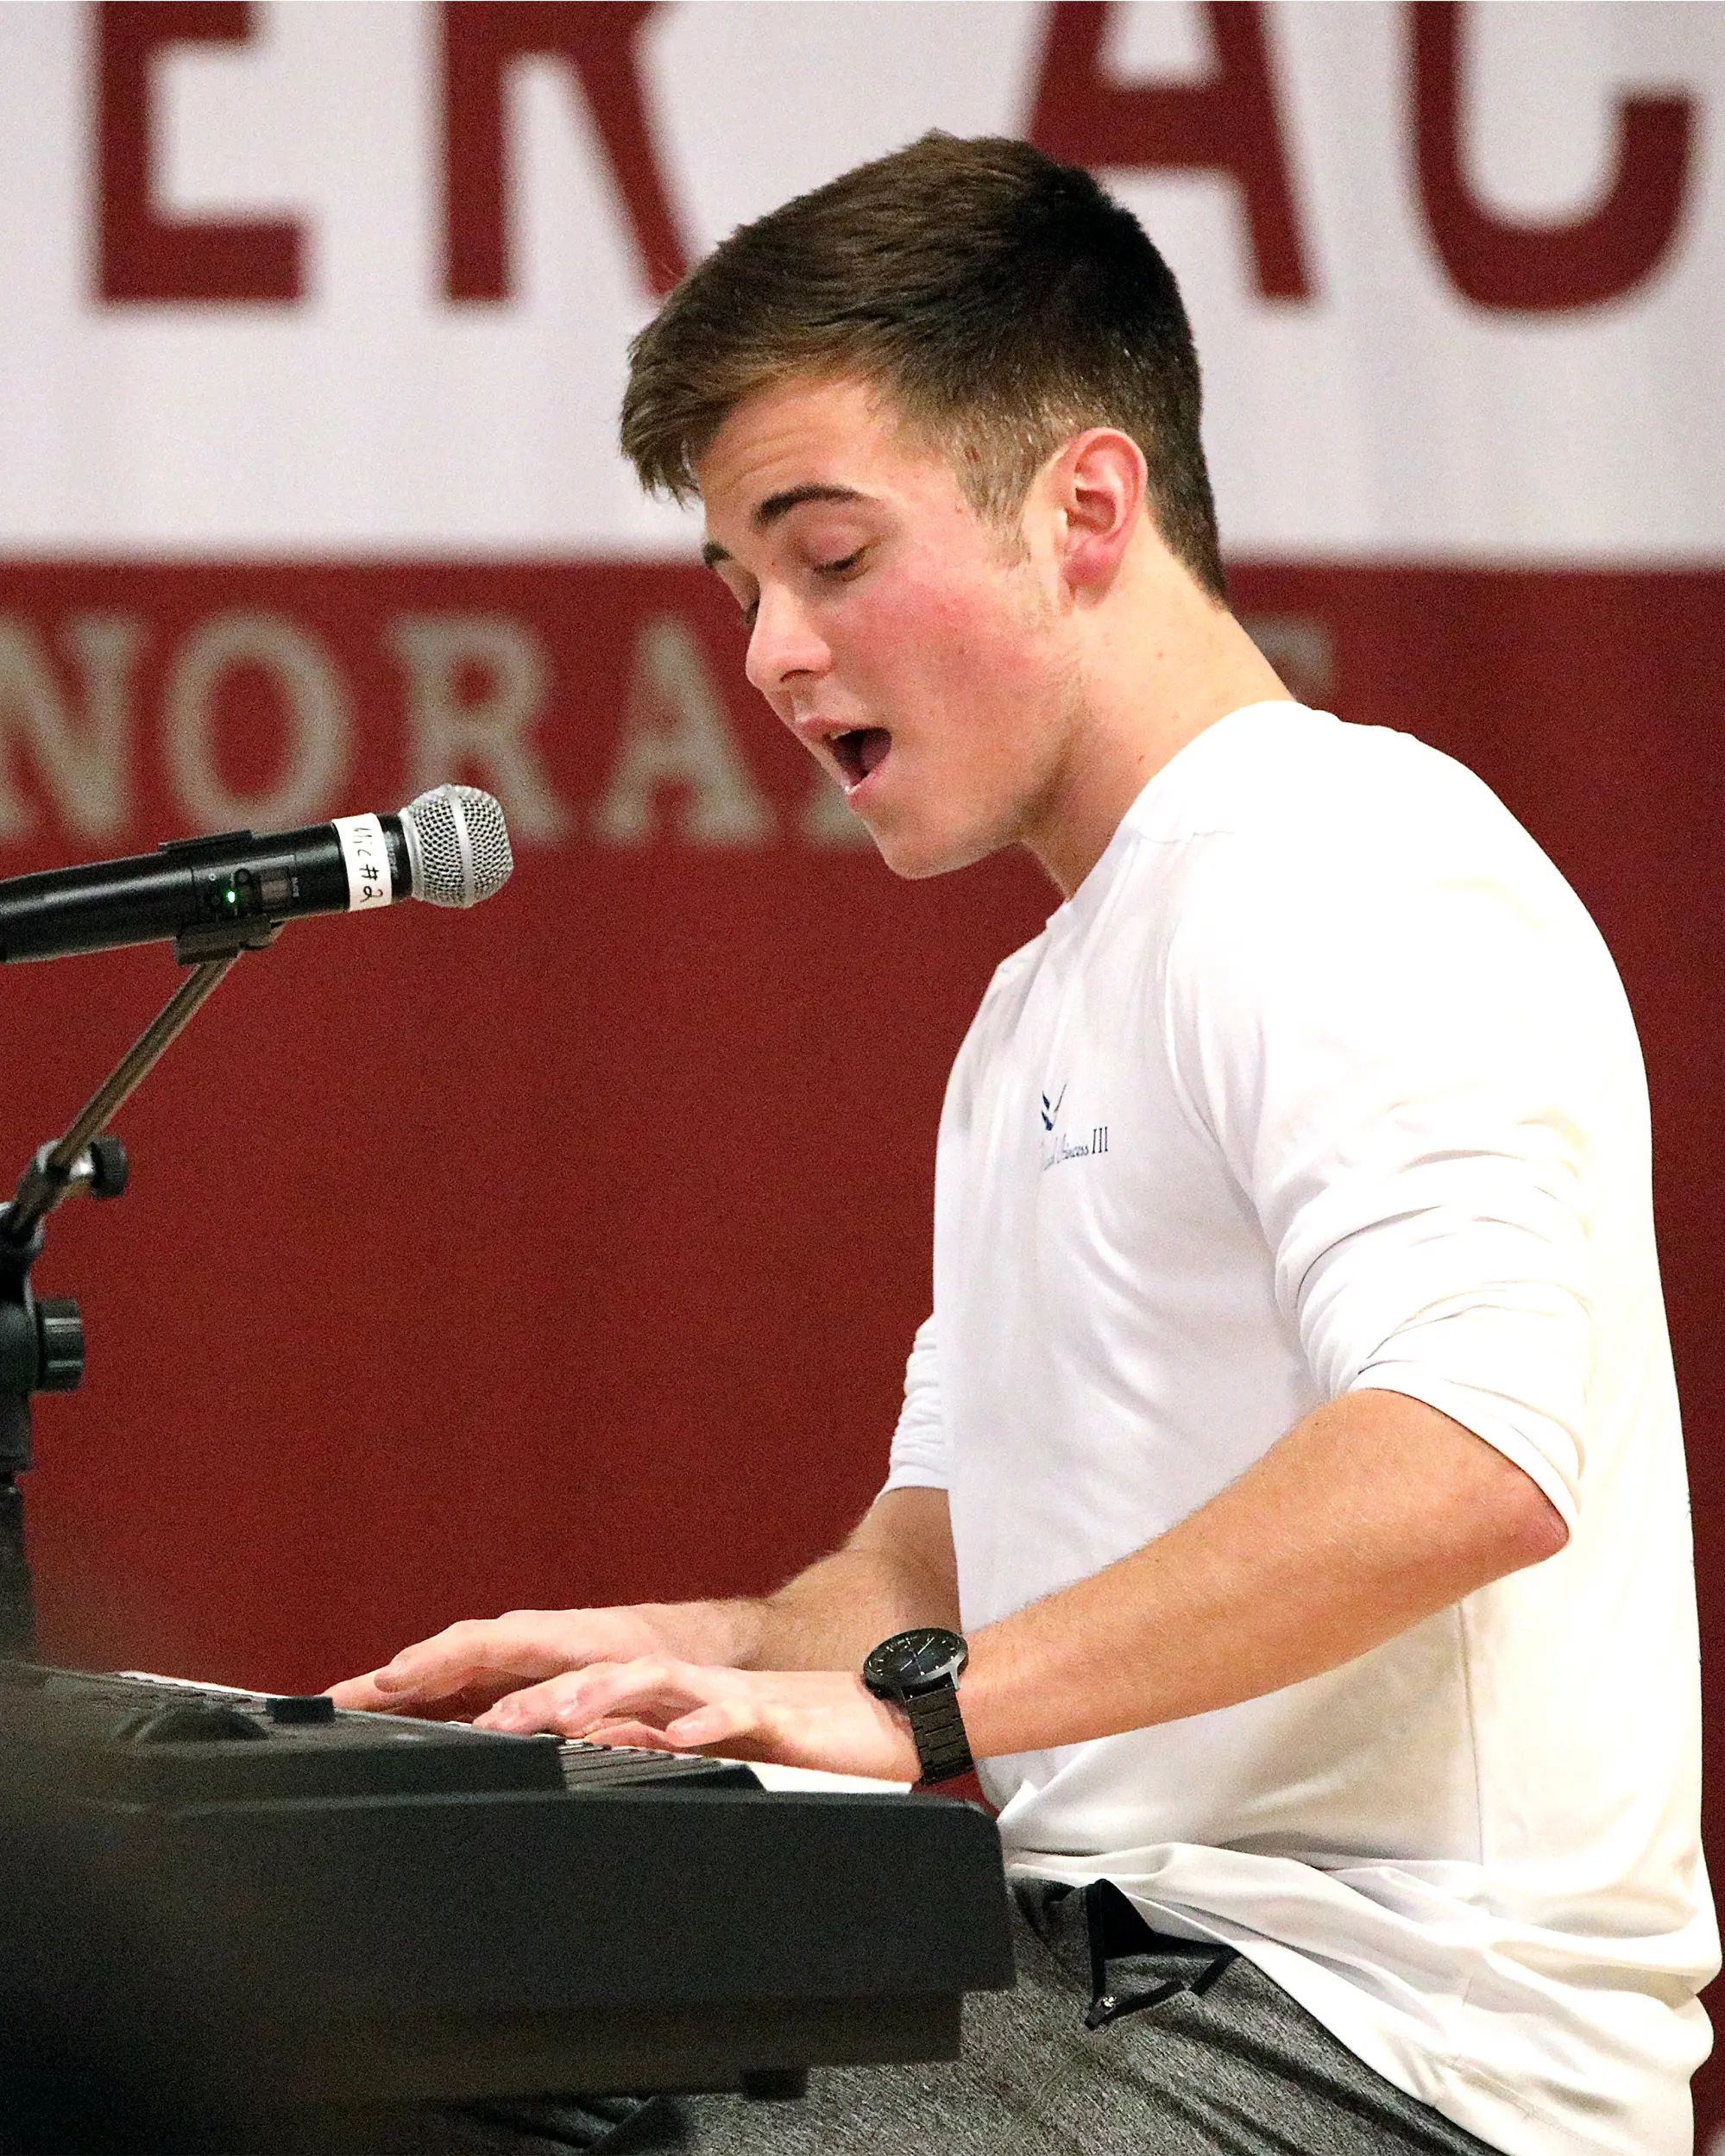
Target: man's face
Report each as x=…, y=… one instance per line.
x=889, y=628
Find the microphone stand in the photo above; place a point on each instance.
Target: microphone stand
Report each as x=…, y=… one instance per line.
x=41, y=1342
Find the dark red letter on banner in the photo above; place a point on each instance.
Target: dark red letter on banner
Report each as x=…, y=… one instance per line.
x=479, y=38
x=141, y=253
x=1228, y=124
x=1540, y=268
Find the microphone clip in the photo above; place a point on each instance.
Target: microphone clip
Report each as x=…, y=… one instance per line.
x=225, y=939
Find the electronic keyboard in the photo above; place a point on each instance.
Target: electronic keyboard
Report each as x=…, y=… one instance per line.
x=359, y=1911
x=164, y=1740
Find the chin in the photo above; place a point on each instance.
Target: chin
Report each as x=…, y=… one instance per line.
x=917, y=855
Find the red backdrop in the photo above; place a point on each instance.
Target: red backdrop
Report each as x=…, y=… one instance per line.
x=570, y=1250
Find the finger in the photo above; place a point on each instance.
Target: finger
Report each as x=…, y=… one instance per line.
x=449, y=1658
x=685, y=1706
x=361, y=1692
x=362, y=1695
x=716, y=1722
x=488, y=1656
x=646, y=1690
x=560, y=1706
x=637, y=1736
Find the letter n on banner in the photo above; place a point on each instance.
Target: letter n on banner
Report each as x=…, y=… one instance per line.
x=86, y=767
x=1228, y=124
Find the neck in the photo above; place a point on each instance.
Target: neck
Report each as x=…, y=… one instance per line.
x=1155, y=663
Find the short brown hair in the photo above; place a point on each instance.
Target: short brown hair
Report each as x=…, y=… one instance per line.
x=1002, y=300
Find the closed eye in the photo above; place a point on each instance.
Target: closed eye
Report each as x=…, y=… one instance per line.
x=842, y=568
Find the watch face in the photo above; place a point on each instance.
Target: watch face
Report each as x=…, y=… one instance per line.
x=916, y=1661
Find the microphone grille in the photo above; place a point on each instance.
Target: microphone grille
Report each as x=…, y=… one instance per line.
x=457, y=845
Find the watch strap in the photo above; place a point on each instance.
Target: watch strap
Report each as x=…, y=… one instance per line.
x=937, y=1728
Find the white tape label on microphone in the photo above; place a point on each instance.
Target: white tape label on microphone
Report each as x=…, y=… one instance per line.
x=366, y=859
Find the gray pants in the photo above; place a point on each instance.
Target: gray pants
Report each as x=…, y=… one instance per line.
x=1218, y=2061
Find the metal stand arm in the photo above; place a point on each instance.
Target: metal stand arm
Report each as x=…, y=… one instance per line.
x=53, y=1173
x=42, y=1343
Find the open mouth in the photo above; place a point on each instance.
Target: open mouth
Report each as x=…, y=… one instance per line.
x=861, y=750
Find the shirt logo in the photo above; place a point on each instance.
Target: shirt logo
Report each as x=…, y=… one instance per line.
x=1059, y=1147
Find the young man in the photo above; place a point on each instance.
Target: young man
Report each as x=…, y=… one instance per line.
x=1294, y=1439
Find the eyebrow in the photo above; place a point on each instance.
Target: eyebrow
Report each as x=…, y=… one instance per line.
x=777, y=505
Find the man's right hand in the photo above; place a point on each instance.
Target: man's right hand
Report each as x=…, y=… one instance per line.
x=470, y=1667
x=896, y=1569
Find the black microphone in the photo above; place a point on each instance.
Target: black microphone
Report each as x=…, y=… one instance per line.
x=450, y=846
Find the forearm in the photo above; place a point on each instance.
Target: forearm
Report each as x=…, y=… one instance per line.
x=775, y=1678
x=897, y=1570
x=827, y=1618
x=810, y=1623
x=1368, y=1518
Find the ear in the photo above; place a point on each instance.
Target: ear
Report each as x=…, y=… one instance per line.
x=1098, y=483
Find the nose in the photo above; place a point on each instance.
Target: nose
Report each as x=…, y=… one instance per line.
x=783, y=646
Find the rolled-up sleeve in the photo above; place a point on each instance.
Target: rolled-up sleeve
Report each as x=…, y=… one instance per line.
x=919, y=1444
x=1397, y=1070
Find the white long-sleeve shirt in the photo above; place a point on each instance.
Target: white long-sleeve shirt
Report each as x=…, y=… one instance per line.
x=1322, y=1080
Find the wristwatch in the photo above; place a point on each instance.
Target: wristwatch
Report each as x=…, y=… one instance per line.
x=919, y=1671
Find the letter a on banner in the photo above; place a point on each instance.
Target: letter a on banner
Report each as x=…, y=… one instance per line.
x=825, y=821
x=1227, y=124
x=675, y=733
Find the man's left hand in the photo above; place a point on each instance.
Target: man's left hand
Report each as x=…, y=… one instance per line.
x=796, y=1718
